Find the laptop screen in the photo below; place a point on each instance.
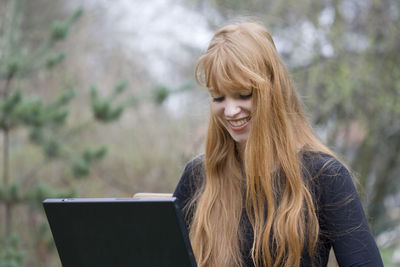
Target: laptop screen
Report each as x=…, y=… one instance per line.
x=119, y=232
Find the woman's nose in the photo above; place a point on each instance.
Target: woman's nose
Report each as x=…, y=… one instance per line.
x=232, y=108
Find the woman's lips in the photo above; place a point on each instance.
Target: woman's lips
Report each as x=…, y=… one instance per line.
x=239, y=124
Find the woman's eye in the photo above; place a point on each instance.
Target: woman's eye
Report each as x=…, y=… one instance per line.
x=246, y=96
x=218, y=99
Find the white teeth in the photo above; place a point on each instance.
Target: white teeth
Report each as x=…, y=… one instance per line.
x=239, y=123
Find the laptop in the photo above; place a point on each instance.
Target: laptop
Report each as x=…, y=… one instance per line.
x=127, y=232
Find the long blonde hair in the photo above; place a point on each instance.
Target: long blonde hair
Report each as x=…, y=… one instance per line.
x=268, y=181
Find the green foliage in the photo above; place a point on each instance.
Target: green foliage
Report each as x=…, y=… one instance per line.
x=36, y=135
x=34, y=195
x=13, y=66
x=48, y=128
x=81, y=165
x=52, y=149
x=80, y=168
x=102, y=107
x=59, y=29
x=161, y=93
x=54, y=60
x=17, y=109
x=10, y=194
x=92, y=155
x=46, y=124
x=11, y=253
x=8, y=116
x=388, y=256
x=121, y=87
x=41, y=191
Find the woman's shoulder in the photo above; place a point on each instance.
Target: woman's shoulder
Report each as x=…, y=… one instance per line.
x=191, y=178
x=194, y=170
x=318, y=165
x=196, y=164
x=329, y=178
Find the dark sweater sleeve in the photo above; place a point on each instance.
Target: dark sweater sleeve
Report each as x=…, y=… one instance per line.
x=342, y=218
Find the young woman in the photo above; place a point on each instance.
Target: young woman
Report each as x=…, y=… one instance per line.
x=266, y=192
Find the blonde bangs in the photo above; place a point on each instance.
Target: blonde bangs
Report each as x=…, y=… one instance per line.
x=227, y=67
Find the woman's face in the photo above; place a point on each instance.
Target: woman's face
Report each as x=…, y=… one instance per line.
x=234, y=112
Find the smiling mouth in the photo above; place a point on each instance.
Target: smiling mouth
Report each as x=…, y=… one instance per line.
x=238, y=123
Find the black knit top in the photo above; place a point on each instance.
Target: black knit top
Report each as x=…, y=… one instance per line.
x=342, y=221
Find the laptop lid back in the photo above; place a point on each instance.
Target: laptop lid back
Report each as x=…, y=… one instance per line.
x=119, y=232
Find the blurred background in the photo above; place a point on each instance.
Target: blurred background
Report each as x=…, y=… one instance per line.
x=98, y=99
